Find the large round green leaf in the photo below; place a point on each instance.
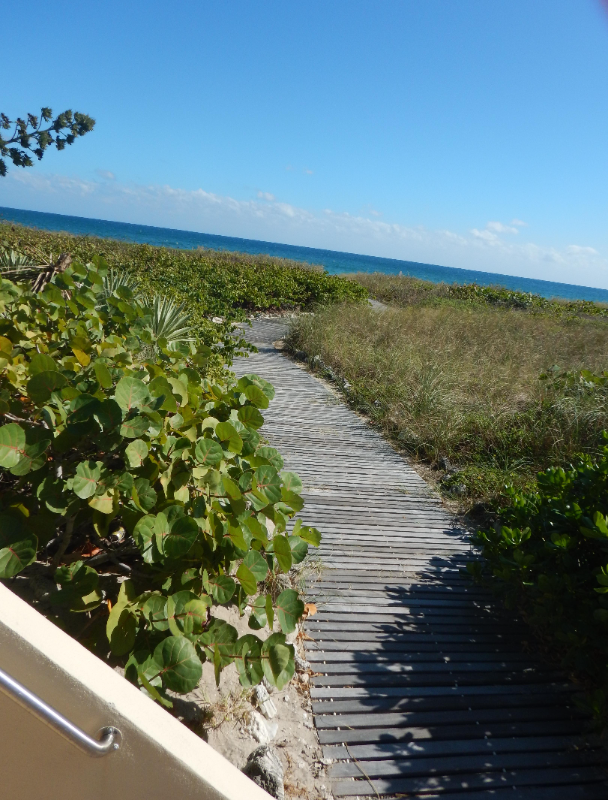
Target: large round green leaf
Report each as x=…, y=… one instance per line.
x=18, y=556
x=12, y=444
x=208, y=452
x=282, y=551
x=291, y=482
x=179, y=538
x=268, y=483
x=256, y=396
x=43, y=384
x=136, y=452
x=178, y=664
x=86, y=478
x=246, y=579
x=220, y=587
x=248, y=660
x=134, y=427
x=250, y=416
x=278, y=660
x=257, y=564
x=226, y=432
x=109, y=415
x=131, y=393
x=42, y=363
x=289, y=610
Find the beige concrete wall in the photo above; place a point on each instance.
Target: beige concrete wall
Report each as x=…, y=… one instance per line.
x=159, y=758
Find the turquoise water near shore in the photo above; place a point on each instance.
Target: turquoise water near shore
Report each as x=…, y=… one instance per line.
x=333, y=261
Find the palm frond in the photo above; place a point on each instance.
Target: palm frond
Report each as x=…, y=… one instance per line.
x=169, y=320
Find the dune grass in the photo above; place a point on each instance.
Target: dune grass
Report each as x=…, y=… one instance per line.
x=462, y=381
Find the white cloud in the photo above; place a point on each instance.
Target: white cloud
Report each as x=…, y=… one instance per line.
x=270, y=220
x=498, y=227
x=106, y=174
x=486, y=236
x=519, y=223
x=308, y=172
x=576, y=250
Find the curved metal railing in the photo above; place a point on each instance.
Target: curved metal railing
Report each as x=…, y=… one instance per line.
x=110, y=736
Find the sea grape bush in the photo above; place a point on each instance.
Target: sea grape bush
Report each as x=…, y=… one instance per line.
x=548, y=556
x=140, y=487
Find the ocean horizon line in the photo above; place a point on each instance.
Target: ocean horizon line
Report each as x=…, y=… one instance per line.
x=334, y=261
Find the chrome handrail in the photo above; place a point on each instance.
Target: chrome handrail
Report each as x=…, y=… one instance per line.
x=110, y=736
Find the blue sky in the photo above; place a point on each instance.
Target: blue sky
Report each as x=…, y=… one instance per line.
x=468, y=133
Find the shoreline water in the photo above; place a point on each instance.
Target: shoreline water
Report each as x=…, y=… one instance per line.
x=335, y=262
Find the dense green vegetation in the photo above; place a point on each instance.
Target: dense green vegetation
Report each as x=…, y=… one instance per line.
x=548, y=558
x=212, y=283
x=404, y=290
x=462, y=382
x=134, y=486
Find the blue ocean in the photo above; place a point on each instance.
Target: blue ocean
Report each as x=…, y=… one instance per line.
x=334, y=261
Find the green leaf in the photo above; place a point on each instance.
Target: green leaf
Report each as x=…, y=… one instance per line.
x=178, y=665
x=175, y=539
x=220, y=587
x=86, y=479
x=43, y=384
x=268, y=483
x=289, y=610
x=122, y=630
x=102, y=373
x=248, y=660
x=291, y=482
x=282, y=551
x=256, y=396
x=257, y=565
x=309, y=535
x=208, y=452
x=131, y=393
x=258, y=617
x=218, y=641
x=272, y=455
x=12, y=444
x=18, y=556
x=134, y=427
x=136, y=452
x=187, y=613
x=278, y=660
x=109, y=415
x=226, y=432
x=42, y=363
x=143, y=494
x=292, y=499
x=155, y=611
x=299, y=549
x=250, y=416
x=246, y=579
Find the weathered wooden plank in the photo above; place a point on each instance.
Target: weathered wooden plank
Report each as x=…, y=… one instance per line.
x=421, y=683
x=473, y=780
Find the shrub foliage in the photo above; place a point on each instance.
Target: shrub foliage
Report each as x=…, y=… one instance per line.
x=548, y=557
x=141, y=487
x=211, y=283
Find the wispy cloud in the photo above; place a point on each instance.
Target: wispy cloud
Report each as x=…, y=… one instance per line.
x=308, y=171
x=493, y=248
x=106, y=174
x=498, y=227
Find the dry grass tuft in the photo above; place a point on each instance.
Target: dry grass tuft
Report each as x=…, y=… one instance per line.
x=463, y=382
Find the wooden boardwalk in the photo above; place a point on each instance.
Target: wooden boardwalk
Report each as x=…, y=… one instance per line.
x=423, y=688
